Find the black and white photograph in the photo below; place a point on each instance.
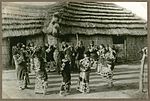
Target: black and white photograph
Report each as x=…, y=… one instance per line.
x=74, y=50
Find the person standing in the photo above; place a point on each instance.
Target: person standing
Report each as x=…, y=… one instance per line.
x=70, y=52
x=108, y=67
x=79, y=53
x=101, y=56
x=41, y=77
x=66, y=75
x=83, y=83
x=72, y=59
x=56, y=54
x=93, y=55
x=32, y=48
x=21, y=68
x=50, y=58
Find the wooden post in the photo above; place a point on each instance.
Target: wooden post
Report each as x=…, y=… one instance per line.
x=141, y=74
x=141, y=82
x=125, y=47
x=77, y=38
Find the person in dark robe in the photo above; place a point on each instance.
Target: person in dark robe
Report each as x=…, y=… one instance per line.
x=61, y=56
x=79, y=53
x=32, y=48
x=72, y=59
x=93, y=55
x=69, y=50
x=66, y=75
x=50, y=58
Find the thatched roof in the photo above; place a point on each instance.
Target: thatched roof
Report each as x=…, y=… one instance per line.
x=22, y=20
x=87, y=18
x=92, y=18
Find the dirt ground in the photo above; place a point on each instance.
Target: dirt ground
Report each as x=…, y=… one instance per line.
x=126, y=78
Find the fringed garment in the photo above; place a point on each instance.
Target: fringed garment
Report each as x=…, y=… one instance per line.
x=83, y=83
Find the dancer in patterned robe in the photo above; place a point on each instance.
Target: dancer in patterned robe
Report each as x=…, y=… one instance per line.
x=21, y=68
x=101, y=54
x=83, y=83
x=108, y=66
x=41, y=83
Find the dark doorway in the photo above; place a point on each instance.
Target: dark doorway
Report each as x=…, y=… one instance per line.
x=13, y=42
x=119, y=43
x=118, y=39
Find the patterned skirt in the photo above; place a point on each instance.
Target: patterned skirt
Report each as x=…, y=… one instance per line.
x=22, y=83
x=106, y=73
x=83, y=83
x=65, y=88
x=22, y=77
x=31, y=66
x=51, y=66
x=40, y=84
x=66, y=82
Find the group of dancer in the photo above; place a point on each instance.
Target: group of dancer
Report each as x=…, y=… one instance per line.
x=64, y=60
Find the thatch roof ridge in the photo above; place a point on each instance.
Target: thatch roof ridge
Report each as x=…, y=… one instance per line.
x=23, y=9
x=20, y=16
x=102, y=31
x=96, y=10
x=29, y=26
x=96, y=14
x=100, y=25
x=95, y=7
x=24, y=6
x=13, y=17
x=21, y=32
x=104, y=21
x=95, y=4
x=100, y=17
x=12, y=21
x=22, y=13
